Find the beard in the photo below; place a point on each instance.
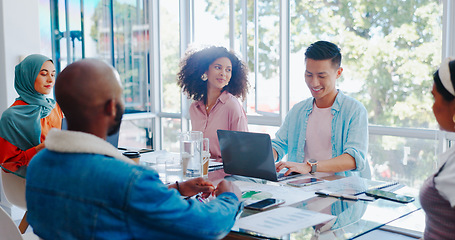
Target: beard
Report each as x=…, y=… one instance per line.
x=118, y=120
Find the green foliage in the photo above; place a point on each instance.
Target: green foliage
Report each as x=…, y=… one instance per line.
x=268, y=32
x=390, y=47
x=394, y=47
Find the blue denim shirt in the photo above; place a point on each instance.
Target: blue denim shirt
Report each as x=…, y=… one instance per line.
x=93, y=196
x=349, y=133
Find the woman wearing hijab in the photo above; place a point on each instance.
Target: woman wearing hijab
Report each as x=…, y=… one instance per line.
x=437, y=195
x=25, y=124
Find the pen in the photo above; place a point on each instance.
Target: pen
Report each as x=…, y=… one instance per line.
x=200, y=198
x=338, y=195
x=197, y=197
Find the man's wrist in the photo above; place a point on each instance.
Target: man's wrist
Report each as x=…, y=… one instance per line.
x=276, y=156
x=177, y=185
x=313, y=163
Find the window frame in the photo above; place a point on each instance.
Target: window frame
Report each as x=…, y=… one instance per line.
x=186, y=21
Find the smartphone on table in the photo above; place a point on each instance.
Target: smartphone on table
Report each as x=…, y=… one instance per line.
x=389, y=195
x=305, y=182
x=265, y=204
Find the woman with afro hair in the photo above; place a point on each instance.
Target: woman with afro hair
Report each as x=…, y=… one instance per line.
x=214, y=78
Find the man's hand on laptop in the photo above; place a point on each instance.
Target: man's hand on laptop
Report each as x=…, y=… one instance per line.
x=293, y=167
x=227, y=186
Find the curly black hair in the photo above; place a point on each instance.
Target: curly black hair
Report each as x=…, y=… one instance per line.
x=197, y=62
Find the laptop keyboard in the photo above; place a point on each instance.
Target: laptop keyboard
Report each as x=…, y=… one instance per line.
x=282, y=177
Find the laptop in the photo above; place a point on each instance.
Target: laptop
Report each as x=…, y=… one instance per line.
x=249, y=154
x=113, y=139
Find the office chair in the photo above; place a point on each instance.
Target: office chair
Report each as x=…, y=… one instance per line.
x=14, y=188
x=9, y=231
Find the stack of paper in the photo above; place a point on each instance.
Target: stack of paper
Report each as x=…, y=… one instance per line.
x=281, y=221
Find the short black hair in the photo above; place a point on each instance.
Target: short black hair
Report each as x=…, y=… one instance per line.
x=440, y=88
x=323, y=50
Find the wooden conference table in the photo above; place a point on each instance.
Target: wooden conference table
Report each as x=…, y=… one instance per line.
x=352, y=218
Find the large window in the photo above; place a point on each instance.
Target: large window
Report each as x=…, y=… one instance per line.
x=406, y=160
x=136, y=133
x=211, y=22
x=97, y=30
x=45, y=28
x=390, y=50
x=263, y=57
x=131, y=34
x=170, y=55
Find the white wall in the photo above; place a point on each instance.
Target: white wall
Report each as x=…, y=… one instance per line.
x=19, y=36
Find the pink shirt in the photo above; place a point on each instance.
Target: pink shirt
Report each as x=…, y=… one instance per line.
x=318, y=134
x=226, y=114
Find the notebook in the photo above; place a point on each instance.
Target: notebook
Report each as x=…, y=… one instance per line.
x=214, y=165
x=113, y=139
x=249, y=154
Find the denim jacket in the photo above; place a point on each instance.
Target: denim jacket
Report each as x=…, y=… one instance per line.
x=80, y=187
x=349, y=133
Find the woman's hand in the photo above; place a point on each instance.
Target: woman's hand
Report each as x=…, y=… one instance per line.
x=303, y=168
x=195, y=186
x=40, y=147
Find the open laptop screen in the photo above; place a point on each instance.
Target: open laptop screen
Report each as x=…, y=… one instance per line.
x=113, y=139
x=247, y=154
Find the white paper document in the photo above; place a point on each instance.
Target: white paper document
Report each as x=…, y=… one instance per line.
x=282, y=221
x=291, y=195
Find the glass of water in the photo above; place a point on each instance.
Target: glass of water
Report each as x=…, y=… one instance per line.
x=191, y=154
x=174, y=170
x=205, y=157
x=160, y=167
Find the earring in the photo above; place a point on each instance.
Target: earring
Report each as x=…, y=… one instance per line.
x=204, y=77
x=453, y=118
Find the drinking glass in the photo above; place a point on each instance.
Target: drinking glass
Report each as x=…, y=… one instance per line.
x=205, y=157
x=191, y=154
x=174, y=170
x=160, y=167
